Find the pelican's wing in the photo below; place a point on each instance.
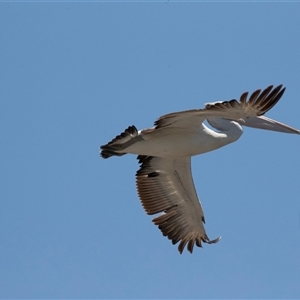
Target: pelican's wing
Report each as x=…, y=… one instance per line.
x=166, y=185
x=257, y=105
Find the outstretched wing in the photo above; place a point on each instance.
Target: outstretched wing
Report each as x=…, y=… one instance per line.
x=258, y=104
x=166, y=185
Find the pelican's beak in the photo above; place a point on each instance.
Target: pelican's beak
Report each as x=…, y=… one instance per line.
x=262, y=122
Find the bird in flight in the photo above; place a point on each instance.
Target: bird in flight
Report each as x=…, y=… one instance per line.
x=164, y=181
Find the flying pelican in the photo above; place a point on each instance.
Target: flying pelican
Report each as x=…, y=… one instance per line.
x=164, y=180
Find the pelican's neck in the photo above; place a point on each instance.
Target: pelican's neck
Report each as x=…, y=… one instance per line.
x=228, y=131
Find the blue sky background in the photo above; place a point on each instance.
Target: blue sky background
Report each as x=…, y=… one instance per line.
x=73, y=76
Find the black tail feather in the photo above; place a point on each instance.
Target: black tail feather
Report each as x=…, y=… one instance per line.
x=118, y=143
x=106, y=153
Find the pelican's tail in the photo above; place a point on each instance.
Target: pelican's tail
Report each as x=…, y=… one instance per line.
x=119, y=143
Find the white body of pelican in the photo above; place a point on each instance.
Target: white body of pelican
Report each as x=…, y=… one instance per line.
x=164, y=180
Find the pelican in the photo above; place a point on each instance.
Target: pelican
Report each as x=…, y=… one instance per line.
x=164, y=181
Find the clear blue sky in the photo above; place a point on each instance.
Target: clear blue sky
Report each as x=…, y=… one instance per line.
x=73, y=76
